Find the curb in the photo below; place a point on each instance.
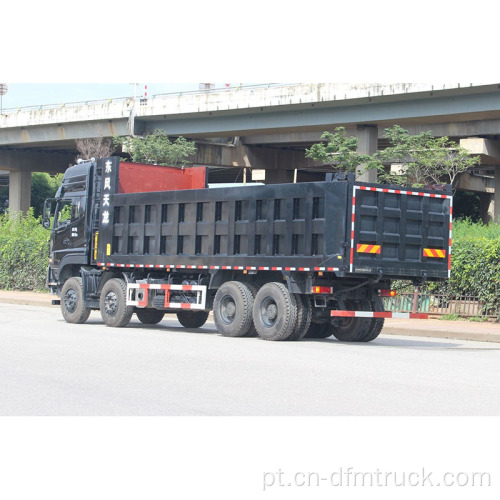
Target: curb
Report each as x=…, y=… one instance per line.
x=476, y=336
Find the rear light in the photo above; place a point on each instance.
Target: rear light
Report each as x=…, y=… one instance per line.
x=388, y=293
x=322, y=289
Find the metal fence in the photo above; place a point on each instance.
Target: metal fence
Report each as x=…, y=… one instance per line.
x=464, y=305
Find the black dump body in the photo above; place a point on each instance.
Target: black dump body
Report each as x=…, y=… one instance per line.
x=338, y=226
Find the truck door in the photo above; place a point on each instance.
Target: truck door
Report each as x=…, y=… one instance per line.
x=69, y=229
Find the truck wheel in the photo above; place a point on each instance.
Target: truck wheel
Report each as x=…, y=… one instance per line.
x=304, y=317
x=233, y=309
x=113, y=303
x=253, y=290
x=192, y=319
x=274, y=312
x=376, y=324
x=149, y=316
x=72, y=303
x=351, y=329
x=318, y=331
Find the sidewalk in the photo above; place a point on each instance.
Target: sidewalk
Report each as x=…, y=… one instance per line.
x=461, y=330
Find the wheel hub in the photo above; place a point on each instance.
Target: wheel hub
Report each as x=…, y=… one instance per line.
x=111, y=303
x=271, y=312
x=70, y=301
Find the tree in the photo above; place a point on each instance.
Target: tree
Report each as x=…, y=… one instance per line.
x=94, y=147
x=340, y=152
x=43, y=186
x=422, y=159
x=156, y=148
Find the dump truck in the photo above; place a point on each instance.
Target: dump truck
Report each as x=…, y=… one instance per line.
x=281, y=261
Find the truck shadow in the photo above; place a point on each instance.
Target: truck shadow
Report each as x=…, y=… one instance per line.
x=383, y=342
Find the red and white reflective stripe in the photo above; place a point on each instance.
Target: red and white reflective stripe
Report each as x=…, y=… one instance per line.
x=400, y=191
x=367, y=314
x=138, y=295
x=235, y=268
x=451, y=234
x=353, y=217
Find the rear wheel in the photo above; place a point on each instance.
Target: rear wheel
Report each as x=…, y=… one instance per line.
x=304, y=316
x=72, y=304
x=318, y=331
x=113, y=304
x=233, y=309
x=351, y=329
x=274, y=312
x=376, y=324
x=253, y=290
x=192, y=319
x=149, y=316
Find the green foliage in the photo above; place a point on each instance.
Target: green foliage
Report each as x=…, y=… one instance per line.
x=475, y=264
x=43, y=186
x=4, y=198
x=157, y=149
x=450, y=317
x=340, y=152
x=422, y=158
x=23, y=252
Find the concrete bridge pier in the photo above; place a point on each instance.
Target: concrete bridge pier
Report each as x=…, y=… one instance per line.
x=367, y=145
x=20, y=164
x=489, y=152
x=19, y=191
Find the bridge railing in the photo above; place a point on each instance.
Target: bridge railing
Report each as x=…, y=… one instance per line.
x=98, y=102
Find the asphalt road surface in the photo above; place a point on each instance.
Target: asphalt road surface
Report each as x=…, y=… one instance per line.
x=49, y=367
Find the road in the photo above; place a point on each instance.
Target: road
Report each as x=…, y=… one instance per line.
x=49, y=367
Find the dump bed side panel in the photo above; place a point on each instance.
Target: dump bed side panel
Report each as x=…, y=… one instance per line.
x=401, y=233
x=283, y=227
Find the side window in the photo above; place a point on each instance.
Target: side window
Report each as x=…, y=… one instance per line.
x=64, y=213
x=75, y=210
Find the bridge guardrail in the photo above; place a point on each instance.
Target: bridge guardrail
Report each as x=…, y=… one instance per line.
x=96, y=102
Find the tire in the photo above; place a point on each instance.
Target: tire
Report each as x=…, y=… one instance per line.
x=304, y=317
x=149, y=316
x=72, y=304
x=274, y=312
x=253, y=290
x=113, y=304
x=192, y=319
x=376, y=324
x=318, y=331
x=351, y=329
x=233, y=309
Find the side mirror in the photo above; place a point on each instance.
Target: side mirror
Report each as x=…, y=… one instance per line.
x=46, y=213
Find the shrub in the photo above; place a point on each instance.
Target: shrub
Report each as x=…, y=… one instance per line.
x=475, y=263
x=23, y=252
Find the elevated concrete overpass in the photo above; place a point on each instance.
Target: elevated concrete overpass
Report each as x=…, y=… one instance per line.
x=265, y=127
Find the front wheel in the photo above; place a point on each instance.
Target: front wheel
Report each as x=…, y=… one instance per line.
x=113, y=303
x=72, y=304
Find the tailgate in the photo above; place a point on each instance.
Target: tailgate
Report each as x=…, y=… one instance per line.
x=402, y=233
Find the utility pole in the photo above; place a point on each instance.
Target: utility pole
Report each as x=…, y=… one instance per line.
x=3, y=91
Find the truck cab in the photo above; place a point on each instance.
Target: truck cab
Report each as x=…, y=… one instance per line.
x=69, y=219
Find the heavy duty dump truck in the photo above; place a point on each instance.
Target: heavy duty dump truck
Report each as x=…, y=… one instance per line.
x=278, y=261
